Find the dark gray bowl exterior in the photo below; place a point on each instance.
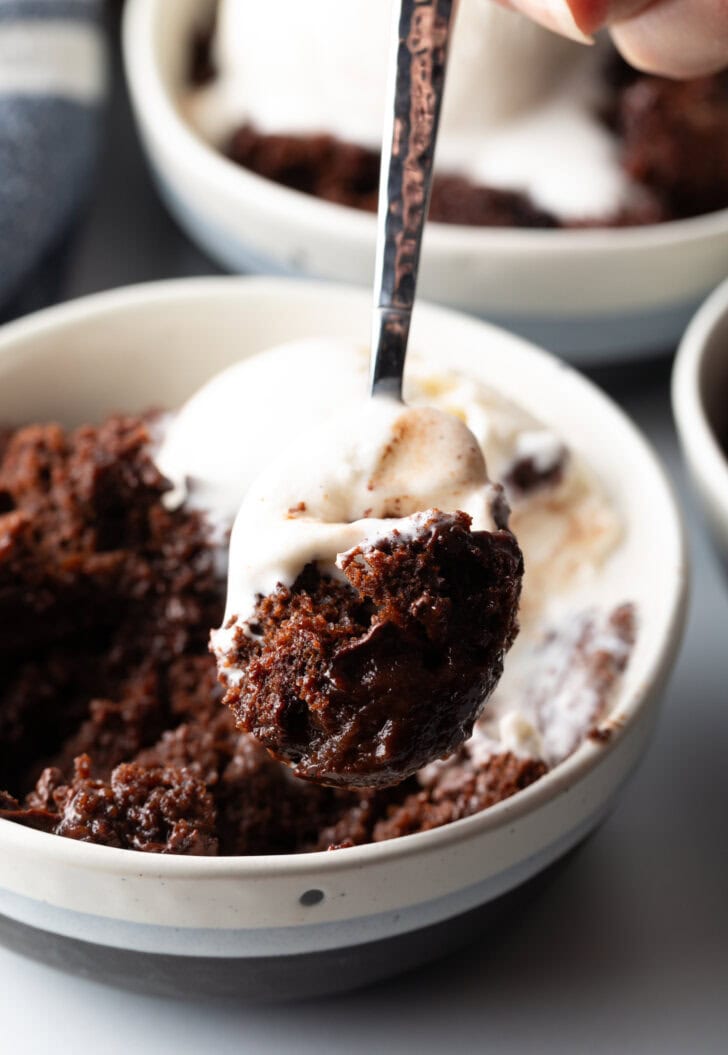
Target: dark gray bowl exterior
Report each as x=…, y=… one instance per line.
x=273, y=978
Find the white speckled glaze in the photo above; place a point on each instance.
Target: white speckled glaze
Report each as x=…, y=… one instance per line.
x=590, y=295
x=700, y=399
x=158, y=343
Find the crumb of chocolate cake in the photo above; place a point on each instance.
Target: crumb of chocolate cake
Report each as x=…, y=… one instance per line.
x=363, y=682
x=202, y=746
x=675, y=141
x=458, y=200
x=37, y=818
x=605, y=731
x=528, y=474
x=263, y=808
x=353, y=815
x=447, y=801
x=320, y=165
x=192, y=686
x=155, y=810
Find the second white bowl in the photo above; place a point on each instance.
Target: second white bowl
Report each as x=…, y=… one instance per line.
x=700, y=403
x=590, y=295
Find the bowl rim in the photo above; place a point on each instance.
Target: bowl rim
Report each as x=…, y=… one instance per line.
x=152, y=99
x=556, y=782
x=708, y=459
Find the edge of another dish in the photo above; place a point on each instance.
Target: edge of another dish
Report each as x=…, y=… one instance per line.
x=707, y=460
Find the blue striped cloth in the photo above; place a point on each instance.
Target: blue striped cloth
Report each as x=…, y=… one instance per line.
x=52, y=82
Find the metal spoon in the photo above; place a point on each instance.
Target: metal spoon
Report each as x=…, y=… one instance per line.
x=418, y=64
x=356, y=718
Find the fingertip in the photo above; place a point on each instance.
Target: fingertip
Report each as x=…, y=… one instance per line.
x=592, y=15
x=589, y=15
x=555, y=15
x=674, y=48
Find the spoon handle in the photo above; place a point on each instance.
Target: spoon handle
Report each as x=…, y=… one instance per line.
x=416, y=84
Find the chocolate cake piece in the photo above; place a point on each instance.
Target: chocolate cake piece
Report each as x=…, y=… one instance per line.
x=102, y=591
x=460, y=791
x=675, y=141
x=362, y=682
x=320, y=165
x=155, y=810
x=348, y=174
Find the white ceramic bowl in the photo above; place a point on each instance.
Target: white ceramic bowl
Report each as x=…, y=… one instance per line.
x=251, y=921
x=590, y=295
x=700, y=403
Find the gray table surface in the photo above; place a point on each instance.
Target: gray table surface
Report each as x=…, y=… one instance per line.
x=627, y=951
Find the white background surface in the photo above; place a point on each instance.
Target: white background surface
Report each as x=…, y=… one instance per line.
x=625, y=951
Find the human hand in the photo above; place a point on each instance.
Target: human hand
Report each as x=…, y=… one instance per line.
x=675, y=38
